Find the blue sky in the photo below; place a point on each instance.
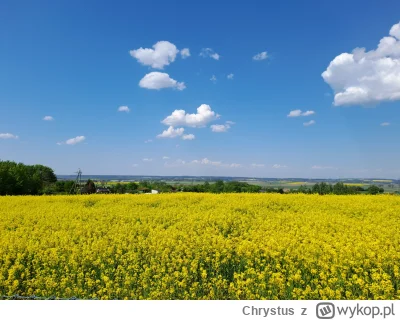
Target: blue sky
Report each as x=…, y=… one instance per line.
x=79, y=61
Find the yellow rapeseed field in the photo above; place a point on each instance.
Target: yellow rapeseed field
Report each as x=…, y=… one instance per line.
x=201, y=246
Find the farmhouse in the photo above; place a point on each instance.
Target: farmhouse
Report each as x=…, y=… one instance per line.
x=103, y=190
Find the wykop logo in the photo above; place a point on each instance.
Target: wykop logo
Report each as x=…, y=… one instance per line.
x=325, y=310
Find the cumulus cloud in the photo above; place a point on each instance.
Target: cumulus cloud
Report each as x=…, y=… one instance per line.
x=395, y=31
x=308, y=113
x=148, y=141
x=147, y=160
x=208, y=52
x=188, y=137
x=230, y=76
x=294, y=113
x=367, y=77
x=309, y=123
x=257, y=165
x=162, y=54
x=298, y=113
x=385, y=124
x=261, y=56
x=123, y=109
x=185, y=53
x=220, y=127
x=8, y=136
x=278, y=166
x=48, y=118
x=213, y=79
x=165, y=158
x=171, y=132
x=203, y=116
x=160, y=80
x=74, y=141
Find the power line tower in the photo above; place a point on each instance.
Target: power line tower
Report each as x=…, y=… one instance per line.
x=77, y=186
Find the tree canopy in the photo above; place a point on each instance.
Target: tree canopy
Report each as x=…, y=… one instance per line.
x=21, y=179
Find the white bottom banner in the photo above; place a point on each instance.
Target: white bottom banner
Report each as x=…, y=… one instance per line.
x=204, y=310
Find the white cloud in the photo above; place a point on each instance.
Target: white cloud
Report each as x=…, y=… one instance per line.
x=188, y=137
x=8, y=136
x=123, y=109
x=135, y=165
x=367, y=77
x=294, y=113
x=278, y=166
x=203, y=116
x=75, y=140
x=48, y=118
x=220, y=127
x=298, y=113
x=185, y=53
x=208, y=162
x=257, y=165
x=160, y=80
x=165, y=158
x=162, y=54
x=309, y=123
x=208, y=52
x=147, y=160
x=213, y=78
x=230, y=76
x=385, y=124
x=148, y=141
x=395, y=31
x=261, y=56
x=308, y=113
x=205, y=161
x=171, y=132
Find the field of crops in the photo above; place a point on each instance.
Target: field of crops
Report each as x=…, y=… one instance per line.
x=201, y=246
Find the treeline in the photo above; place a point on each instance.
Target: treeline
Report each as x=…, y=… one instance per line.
x=163, y=187
x=64, y=187
x=339, y=188
x=222, y=187
x=21, y=179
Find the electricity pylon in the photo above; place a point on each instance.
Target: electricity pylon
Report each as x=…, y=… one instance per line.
x=77, y=186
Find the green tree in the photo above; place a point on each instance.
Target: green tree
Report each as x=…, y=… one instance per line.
x=20, y=179
x=217, y=187
x=89, y=187
x=374, y=190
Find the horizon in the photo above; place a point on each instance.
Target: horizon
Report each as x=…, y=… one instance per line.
x=256, y=93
